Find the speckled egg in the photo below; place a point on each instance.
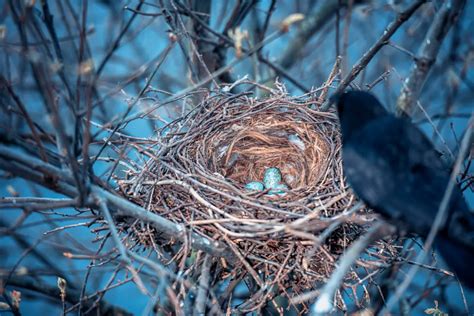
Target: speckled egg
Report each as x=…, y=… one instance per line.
x=255, y=186
x=272, y=178
x=279, y=189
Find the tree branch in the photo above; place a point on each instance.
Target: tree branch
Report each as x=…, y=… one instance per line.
x=382, y=41
x=427, y=54
x=36, y=170
x=72, y=296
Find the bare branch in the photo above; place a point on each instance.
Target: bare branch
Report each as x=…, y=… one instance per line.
x=324, y=303
x=382, y=41
x=29, y=169
x=440, y=218
x=72, y=296
x=204, y=283
x=427, y=54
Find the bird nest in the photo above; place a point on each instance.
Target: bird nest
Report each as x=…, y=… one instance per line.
x=289, y=241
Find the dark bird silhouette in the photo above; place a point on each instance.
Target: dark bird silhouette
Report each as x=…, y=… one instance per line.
x=395, y=170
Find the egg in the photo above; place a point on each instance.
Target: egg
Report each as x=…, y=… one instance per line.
x=272, y=177
x=279, y=189
x=296, y=140
x=255, y=186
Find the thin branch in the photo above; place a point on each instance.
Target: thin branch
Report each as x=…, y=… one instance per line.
x=324, y=303
x=401, y=18
x=24, y=112
x=116, y=43
x=427, y=54
x=34, y=169
x=439, y=219
x=310, y=26
x=72, y=296
x=204, y=282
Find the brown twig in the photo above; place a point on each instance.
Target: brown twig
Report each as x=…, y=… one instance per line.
x=427, y=54
x=401, y=18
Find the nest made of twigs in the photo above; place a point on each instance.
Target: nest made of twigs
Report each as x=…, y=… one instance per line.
x=293, y=240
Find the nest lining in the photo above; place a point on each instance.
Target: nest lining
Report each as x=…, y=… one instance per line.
x=246, y=149
x=230, y=140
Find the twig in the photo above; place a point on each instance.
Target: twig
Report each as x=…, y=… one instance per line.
x=113, y=230
x=24, y=112
x=401, y=18
x=324, y=303
x=335, y=71
x=379, y=79
x=204, y=282
x=310, y=26
x=36, y=204
x=244, y=262
x=122, y=121
x=427, y=53
x=72, y=296
x=29, y=170
x=439, y=219
x=116, y=43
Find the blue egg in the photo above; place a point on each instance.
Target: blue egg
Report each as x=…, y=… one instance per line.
x=255, y=186
x=279, y=189
x=272, y=177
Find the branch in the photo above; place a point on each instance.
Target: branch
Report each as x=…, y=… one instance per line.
x=39, y=255
x=229, y=42
x=204, y=282
x=115, y=236
x=427, y=53
x=307, y=29
x=72, y=296
x=324, y=303
x=382, y=41
x=440, y=218
x=36, y=170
